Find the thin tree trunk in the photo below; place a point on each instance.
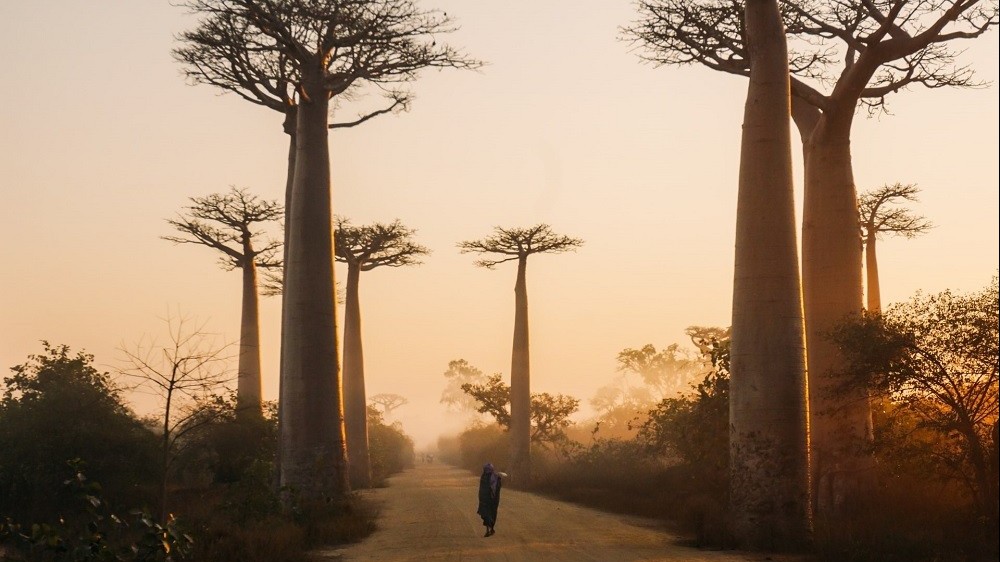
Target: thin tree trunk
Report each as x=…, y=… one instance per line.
x=165, y=451
x=248, y=385
x=355, y=402
x=840, y=423
x=520, y=382
x=768, y=412
x=312, y=451
x=871, y=270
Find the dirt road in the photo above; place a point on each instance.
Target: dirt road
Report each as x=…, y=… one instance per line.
x=429, y=513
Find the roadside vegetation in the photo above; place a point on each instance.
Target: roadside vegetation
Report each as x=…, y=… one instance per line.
x=80, y=475
x=931, y=364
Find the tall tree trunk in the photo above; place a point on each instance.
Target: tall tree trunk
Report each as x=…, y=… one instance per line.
x=312, y=451
x=355, y=402
x=768, y=412
x=288, y=125
x=520, y=382
x=248, y=380
x=871, y=270
x=840, y=423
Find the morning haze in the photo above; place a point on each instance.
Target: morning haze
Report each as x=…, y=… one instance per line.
x=103, y=140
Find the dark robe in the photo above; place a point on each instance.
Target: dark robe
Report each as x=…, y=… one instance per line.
x=489, y=500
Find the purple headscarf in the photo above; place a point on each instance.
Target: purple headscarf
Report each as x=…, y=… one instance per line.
x=494, y=477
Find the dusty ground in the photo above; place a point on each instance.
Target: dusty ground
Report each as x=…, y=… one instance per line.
x=429, y=513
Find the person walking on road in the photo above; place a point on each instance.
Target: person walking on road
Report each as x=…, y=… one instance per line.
x=489, y=497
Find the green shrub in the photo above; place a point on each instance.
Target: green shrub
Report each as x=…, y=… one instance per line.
x=390, y=450
x=94, y=533
x=58, y=407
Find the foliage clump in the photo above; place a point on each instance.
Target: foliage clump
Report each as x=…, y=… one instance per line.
x=57, y=407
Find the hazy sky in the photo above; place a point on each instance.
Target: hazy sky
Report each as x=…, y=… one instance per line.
x=101, y=140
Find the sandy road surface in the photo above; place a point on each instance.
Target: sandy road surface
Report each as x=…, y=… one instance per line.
x=429, y=513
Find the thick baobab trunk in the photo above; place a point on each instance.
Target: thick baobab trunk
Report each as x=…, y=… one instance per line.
x=355, y=402
x=520, y=382
x=312, y=452
x=840, y=423
x=768, y=411
x=248, y=401
x=288, y=125
x=871, y=271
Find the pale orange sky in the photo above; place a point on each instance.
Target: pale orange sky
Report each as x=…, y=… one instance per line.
x=102, y=140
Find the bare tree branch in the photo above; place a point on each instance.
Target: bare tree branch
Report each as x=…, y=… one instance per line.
x=376, y=245
x=880, y=213
x=237, y=211
x=188, y=367
x=516, y=243
x=865, y=49
x=259, y=48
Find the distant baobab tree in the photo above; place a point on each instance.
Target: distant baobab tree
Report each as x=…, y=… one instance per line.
x=862, y=51
x=334, y=48
x=516, y=244
x=364, y=248
x=879, y=216
x=229, y=223
x=769, y=457
x=388, y=402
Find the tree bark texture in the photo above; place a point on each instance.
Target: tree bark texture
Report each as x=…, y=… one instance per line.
x=840, y=423
x=520, y=382
x=312, y=449
x=355, y=402
x=248, y=384
x=288, y=125
x=871, y=271
x=768, y=404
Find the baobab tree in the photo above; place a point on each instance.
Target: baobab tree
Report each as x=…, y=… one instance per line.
x=863, y=50
x=769, y=457
x=334, y=48
x=228, y=223
x=229, y=52
x=880, y=214
x=516, y=244
x=364, y=248
x=388, y=401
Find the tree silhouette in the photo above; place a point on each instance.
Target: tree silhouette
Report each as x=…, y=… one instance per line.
x=334, y=47
x=880, y=216
x=768, y=412
x=364, y=248
x=460, y=372
x=227, y=223
x=668, y=371
x=935, y=357
x=186, y=369
x=229, y=52
x=388, y=402
x=510, y=244
x=863, y=51
x=549, y=414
